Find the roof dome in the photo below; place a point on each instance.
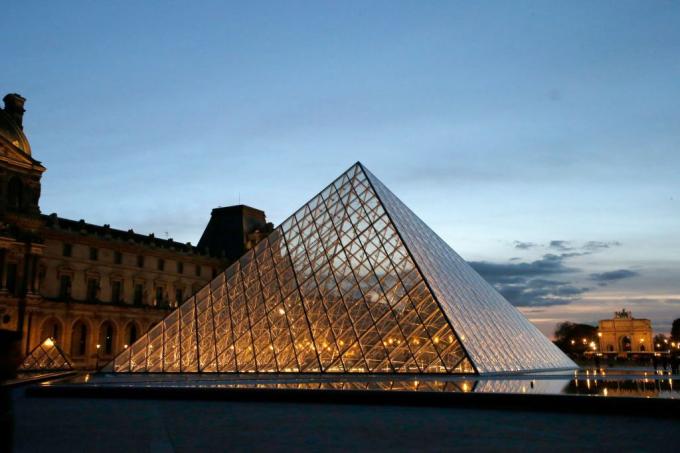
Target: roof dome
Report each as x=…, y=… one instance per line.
x=11, y=127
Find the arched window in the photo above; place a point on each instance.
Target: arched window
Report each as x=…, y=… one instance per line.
x=15, y=193
x=51, y=329
x=107, y=337
x=79, y=339
x=626, y=344
x=131, y=333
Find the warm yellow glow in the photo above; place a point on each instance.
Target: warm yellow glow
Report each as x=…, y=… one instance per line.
x=125, y=346
x=436, y=340
x=282, y=311
x=605, y=391
x=49, y=343
x=466, y=387
x=599, y=334
x=99, y=346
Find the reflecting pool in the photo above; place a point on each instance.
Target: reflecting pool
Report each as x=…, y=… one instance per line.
x=597, y=384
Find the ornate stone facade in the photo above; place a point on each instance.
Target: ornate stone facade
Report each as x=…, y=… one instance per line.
x=624, y=334
x=94, y=289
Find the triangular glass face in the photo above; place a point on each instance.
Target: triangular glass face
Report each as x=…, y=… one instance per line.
x=47, y=356
x=497, y=337
x=334, y=289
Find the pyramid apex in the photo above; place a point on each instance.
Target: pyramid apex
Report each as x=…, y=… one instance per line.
x=352, y=253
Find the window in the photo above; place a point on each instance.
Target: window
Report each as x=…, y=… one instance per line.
x=131, y=333
x=67, y=250
x=161, y=264
x=107, y=337
x=94, y=253
x=180, y=267
x=139, y=294
x=178, y=296
x=92, y=287
x=51, y=329
x=116, y=291
x=12, y=278
x=117, y=258
x=198, y=270
x=140, y=261
x=15, y=190
x=159, y=296
x=65, y=287
x=79, y=340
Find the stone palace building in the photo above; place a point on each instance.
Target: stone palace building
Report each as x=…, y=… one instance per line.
x=93, y=288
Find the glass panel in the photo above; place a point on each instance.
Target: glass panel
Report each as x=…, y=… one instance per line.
x=336, y=289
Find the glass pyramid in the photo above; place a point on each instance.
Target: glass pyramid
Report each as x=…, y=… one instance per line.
x=47, y=356
x=352, y=282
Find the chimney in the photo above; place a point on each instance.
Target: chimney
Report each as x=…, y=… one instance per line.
x=14, y=107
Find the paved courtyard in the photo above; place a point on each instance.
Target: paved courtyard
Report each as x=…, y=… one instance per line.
x=119, y=425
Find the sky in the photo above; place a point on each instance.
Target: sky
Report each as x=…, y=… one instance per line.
x=539, y=139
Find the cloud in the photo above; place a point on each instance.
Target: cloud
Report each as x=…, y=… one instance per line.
x=550, y=264
x=532, y=284
x=566, y=246
x=672, y=301
x=549, y=280
x=541, y=293
x=560, y=245
x=524, y=245
x=605, y=278
x=598, y=245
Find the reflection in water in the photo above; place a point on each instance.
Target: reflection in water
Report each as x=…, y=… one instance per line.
x=643, y=388
x=651, y=386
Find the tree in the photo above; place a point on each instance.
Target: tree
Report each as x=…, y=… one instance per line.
x=675, y=330
x=573, y=337
x=660, y=342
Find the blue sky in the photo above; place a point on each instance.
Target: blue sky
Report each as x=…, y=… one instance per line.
x=502, y=124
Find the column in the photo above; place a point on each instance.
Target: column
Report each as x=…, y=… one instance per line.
x=36, y=271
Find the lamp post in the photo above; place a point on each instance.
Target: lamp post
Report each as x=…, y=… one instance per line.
x=96, y=367
x=599, y=342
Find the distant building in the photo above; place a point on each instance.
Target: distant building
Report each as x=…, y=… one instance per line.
x=624, y=334
x=86, y=285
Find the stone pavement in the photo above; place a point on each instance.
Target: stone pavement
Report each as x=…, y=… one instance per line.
x=119, y=425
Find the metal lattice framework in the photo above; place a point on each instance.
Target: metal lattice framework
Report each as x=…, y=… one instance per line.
x=47, y=356
x=352, y=282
